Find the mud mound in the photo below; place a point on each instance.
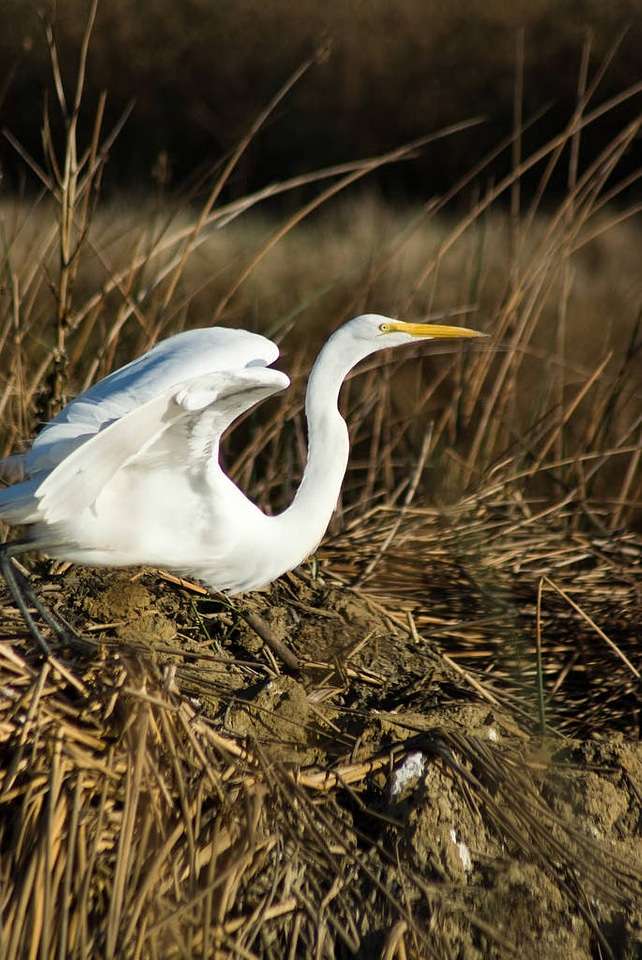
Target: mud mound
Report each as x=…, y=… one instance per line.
x=177, y=793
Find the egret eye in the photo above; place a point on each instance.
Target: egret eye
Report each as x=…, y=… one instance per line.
x=384, y=328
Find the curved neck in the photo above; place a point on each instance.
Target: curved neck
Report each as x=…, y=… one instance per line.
x=274, y=544
x=308, y=516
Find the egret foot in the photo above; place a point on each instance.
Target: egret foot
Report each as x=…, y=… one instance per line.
x=25, y=598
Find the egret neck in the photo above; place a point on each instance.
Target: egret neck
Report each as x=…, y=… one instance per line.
x=306, y=519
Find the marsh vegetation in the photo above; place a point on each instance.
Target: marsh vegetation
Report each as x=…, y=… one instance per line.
x=454, y=767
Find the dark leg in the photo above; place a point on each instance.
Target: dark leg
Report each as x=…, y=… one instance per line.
x=25, y=597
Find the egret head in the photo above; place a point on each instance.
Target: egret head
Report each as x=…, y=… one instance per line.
x=369, y=333
x=372, y=332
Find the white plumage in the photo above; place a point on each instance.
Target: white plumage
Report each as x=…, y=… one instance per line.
x=128, y=473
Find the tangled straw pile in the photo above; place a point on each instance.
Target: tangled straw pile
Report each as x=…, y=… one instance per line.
x=542, y=611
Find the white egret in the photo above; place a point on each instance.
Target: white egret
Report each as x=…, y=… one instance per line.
x=129, y=474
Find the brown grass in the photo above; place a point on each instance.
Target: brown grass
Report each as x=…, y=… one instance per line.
x=138, y=821
x=538, y=612
x=201, y=72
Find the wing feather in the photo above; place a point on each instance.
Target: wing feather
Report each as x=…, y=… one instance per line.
x=180, y=427
x=173, y=361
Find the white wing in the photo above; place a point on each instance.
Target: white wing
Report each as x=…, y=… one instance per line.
x=167, y=408
x=177, y=360
x=179, y=429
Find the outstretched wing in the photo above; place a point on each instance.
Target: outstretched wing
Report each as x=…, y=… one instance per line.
x=176, y=360
x=178, y=430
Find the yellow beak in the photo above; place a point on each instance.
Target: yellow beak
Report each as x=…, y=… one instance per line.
x=434, y=331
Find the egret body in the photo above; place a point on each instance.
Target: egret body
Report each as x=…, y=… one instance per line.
x=129, y=474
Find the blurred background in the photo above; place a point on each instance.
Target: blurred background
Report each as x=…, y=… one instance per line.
x=386, y=72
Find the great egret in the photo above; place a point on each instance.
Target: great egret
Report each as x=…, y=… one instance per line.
x=128, y=473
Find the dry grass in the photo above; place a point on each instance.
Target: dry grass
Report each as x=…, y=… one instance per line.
x=537, y=610
x=158, y=807
x=174, y=794
x=201, y=72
